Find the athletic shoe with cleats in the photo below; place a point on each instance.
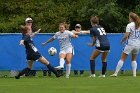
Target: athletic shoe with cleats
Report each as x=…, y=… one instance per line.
x=102, y=76
x=93, y=75
x=16, y=77
x=113, y=75
x=59, y=67
x=67, y=76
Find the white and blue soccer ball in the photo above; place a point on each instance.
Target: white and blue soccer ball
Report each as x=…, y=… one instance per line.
x=52, y=51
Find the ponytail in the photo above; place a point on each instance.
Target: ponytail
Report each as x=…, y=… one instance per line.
x=135, y=18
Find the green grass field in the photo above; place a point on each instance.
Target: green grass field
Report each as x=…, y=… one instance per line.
x=75, y=84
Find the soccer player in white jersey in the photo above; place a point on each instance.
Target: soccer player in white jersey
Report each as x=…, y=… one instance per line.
x=132, y=36
x=66, y=49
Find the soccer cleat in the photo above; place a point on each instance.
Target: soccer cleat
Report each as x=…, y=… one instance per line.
x=102, y=76
x=59, y=75
x=17, y=77
x=113, y=75
x=59, y=67
x=92, y=75
x=67, y=76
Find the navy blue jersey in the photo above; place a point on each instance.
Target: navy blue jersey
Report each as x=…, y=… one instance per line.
x=99, y=33
x=29, y=45
x=31, y=50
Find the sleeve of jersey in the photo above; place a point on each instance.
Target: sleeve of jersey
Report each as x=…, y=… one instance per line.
x=55, y=36
x=71, y=34
x=26, y=38
x=92, y=33
x=128, y=28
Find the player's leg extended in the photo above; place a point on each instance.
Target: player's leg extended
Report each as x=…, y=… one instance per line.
x=25, y=70
x=68, y=64
x=104, y=62
x=51, y=68
x=120, y=64
x=92, y=62
x=134, y=64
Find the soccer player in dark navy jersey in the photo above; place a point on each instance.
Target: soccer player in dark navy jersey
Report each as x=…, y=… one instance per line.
x=32, y=52
x=101, y=43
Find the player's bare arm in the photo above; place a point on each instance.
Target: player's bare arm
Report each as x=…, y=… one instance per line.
x=32, y=35
x=50, y=40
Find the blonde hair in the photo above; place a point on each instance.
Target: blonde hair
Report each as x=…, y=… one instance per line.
x=135, y=18
x=65, y=25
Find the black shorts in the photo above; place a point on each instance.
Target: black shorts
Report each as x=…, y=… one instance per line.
x=33, y=56
x=103, y=49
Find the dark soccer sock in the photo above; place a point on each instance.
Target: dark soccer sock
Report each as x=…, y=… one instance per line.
x=92, y=66
x=81, y=72
x=51, y=68
x=25, y=70
x=44, y=72
x=75, y=72
x=49, y=73
x=104, y=66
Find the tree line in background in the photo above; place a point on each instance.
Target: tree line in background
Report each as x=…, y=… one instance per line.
x=47, y=14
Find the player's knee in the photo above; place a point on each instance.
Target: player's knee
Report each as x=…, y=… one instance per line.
x=44, y=61
x=62, y=60
x=68, y=62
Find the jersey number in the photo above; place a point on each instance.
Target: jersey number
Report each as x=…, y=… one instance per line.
x=102, y=31
x=34, y=48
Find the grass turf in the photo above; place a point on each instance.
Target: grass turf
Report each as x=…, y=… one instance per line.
x=75, y=84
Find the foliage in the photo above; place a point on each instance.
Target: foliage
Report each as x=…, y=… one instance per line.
x=47, y=14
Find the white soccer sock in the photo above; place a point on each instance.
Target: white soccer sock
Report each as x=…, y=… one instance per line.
x=134, y=67
x=62, y=61
x=119, y=66
x=68, y=67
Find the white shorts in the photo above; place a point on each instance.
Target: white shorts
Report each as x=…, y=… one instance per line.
x=131, y=49
x=67, y=50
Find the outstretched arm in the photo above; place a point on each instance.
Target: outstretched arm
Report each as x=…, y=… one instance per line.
x=81, y=32
x=50, y=40
x=85, y=32
x=32, y=35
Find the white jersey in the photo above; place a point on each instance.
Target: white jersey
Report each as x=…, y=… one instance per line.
x=64, y=39
x=134, y=36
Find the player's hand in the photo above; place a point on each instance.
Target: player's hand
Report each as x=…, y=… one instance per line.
x=90, y=44
x=39, y=30
x=21, y=43
x=43, y=44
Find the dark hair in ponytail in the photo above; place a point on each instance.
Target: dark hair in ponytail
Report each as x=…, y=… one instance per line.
x=94, y=20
